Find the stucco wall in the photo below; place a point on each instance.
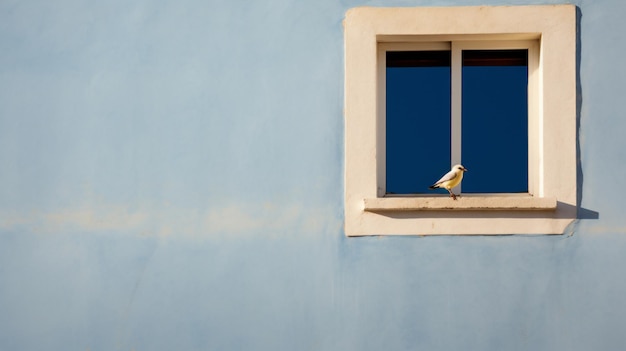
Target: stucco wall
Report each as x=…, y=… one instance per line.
x=171, y=178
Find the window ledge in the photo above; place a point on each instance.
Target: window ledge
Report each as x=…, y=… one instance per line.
x=463, y=203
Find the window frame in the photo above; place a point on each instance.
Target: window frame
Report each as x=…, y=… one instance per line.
x=456, y=47
x=549, y=32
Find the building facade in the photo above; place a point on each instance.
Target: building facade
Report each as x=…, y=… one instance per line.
x=172, y=178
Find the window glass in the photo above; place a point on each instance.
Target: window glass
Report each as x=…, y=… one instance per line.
x=495, y=121
x=417, y=119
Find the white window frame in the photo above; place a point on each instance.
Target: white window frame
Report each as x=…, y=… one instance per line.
x=548, y=32
x=456, y=48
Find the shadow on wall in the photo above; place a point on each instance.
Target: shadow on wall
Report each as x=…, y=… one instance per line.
x=582, y=213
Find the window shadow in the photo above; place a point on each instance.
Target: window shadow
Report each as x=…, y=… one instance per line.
x=582, y=213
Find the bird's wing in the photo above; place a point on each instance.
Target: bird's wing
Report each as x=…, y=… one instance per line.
x=448, y=176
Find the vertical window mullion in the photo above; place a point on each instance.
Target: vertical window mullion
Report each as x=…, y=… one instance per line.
x=456, y=106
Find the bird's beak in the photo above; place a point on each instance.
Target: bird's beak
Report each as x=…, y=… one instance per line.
x=464, y=169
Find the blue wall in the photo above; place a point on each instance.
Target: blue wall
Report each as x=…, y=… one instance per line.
x=171, y=178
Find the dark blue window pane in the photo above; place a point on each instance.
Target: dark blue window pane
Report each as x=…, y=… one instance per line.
x=495, y=121
x=418, y=120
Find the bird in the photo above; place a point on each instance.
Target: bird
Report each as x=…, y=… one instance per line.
x=450, y=180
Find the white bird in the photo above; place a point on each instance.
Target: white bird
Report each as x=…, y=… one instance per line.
x=450, y=180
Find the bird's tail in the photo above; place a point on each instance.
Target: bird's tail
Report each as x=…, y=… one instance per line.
x=434, y=186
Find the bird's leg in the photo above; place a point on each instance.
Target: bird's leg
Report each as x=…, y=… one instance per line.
x=451, y=194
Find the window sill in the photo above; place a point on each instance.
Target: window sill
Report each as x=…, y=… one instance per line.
x=500, y=202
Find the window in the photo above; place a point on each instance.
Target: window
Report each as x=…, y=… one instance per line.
x=491, y=124
x=494, y=115
x=491, y=87
x=417, y=99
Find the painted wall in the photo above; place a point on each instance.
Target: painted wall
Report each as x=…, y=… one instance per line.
x=171, y=178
